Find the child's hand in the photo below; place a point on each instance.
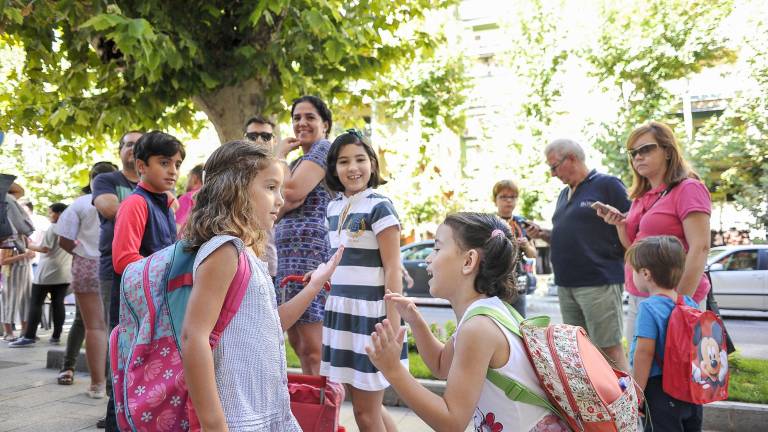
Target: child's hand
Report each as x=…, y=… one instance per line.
x=405, y=306
x=324, y=271
x=386, y=346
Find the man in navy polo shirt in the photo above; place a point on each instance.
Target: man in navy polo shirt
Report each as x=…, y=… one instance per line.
x=587, y=257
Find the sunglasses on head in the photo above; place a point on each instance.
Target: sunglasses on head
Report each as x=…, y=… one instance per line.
x=355, y=132
x=642, y=150
x=255, y=136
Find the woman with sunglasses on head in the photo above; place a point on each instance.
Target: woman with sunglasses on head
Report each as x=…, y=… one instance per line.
x=301, y=236
x=669, y=198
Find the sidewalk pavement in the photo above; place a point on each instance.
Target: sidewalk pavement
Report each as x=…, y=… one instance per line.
x=32, y=401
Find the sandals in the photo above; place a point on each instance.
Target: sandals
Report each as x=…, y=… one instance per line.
x=66, y=377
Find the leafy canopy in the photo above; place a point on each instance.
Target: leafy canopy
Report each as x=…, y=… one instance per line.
x=94, y=69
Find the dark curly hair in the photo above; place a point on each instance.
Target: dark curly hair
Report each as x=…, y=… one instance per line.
x=320, y=106
x=498, y=254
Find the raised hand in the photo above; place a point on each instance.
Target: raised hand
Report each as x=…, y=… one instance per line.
x=405, y=306
x=324, y=271
x=386, y=346
x=286, y=146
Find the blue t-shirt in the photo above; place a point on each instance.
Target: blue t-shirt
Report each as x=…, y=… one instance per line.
x=586, y=251
x=114, y=183
x=652, y=319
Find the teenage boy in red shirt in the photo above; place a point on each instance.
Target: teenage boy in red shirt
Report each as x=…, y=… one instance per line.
x=145, y=221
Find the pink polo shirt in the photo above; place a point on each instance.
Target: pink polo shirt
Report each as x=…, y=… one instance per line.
x=186, y=202
x=649, y=217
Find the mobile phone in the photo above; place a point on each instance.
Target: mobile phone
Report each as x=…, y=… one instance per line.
x=525, y=223
x=597, y=205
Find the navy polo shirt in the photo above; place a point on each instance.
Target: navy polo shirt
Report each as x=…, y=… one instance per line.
x=586, y=251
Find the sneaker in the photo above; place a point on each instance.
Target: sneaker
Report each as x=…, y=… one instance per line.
x=54, y=341
x=21, y=342
x=96, y=392
x=101, y=423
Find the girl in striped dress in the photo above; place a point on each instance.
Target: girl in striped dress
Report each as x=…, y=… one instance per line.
x=366, y=224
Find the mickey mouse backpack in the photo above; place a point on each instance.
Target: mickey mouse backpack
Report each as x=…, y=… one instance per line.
x=695, y=367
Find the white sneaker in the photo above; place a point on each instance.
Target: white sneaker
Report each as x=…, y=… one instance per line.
x=96, y=392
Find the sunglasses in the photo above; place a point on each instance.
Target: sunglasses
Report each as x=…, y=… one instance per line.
x=255, y=136
x=643, y=150
x=356, y=133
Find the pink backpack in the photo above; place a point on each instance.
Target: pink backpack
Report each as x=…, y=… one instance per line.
x=581, y=387
x=145, y=348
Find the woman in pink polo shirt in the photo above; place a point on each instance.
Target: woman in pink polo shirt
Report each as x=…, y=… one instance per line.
x=668, y=199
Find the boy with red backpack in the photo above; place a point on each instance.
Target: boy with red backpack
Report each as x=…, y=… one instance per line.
x=662, y=347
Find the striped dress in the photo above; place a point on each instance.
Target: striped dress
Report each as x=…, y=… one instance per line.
x=16, y=290
x=356, y=301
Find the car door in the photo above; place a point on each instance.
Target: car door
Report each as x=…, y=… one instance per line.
x=414, y=261
x=741, y=283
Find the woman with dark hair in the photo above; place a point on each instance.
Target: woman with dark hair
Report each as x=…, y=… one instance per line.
x=669, y=198
x=301, y=237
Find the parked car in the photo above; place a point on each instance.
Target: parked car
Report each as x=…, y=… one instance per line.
x=740, y=276
x=414, y=256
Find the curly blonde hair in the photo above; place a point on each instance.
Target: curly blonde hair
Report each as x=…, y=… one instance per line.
x=223, y=204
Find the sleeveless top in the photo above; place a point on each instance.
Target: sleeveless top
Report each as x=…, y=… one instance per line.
x=494, y=410
x=249, y=362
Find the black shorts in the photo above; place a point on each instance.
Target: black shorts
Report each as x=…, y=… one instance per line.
x=667, y=414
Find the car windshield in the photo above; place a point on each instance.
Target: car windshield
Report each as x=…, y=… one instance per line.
x=715, y=252
x=415, y=253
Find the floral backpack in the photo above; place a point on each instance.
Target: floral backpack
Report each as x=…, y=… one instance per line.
x=145, y=348
x=581, y=387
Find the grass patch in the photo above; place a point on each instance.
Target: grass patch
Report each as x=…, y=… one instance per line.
x=749, y=380
x=417, y=367
x=291, y=358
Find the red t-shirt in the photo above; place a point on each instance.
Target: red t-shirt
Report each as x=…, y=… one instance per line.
x=652, y=216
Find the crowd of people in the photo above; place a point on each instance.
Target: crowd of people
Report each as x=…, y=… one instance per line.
x=321, y=217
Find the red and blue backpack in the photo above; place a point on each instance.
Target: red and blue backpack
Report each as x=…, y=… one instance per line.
x=145, y=348
x=695, y=366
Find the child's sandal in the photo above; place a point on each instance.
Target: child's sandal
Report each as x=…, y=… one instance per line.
x=66, y=377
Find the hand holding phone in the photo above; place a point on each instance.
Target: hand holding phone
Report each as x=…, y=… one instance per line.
x=610, y=214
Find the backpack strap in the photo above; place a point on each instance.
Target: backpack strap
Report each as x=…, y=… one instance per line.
x=512, y=388
x=233, y=299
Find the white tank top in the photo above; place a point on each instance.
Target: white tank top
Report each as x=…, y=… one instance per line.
x=494, y=408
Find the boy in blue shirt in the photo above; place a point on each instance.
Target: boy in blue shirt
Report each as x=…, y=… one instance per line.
x=657, y=265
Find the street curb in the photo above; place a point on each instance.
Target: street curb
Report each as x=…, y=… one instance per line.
x=718, y=416
x=723, y=416
x=55, y=360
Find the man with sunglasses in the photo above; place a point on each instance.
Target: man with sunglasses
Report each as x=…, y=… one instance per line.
x=587, y=257
x=261, y=131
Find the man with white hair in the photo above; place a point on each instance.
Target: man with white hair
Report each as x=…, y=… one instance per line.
x=587, y=256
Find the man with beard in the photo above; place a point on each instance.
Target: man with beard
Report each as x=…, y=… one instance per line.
x=109, y=190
